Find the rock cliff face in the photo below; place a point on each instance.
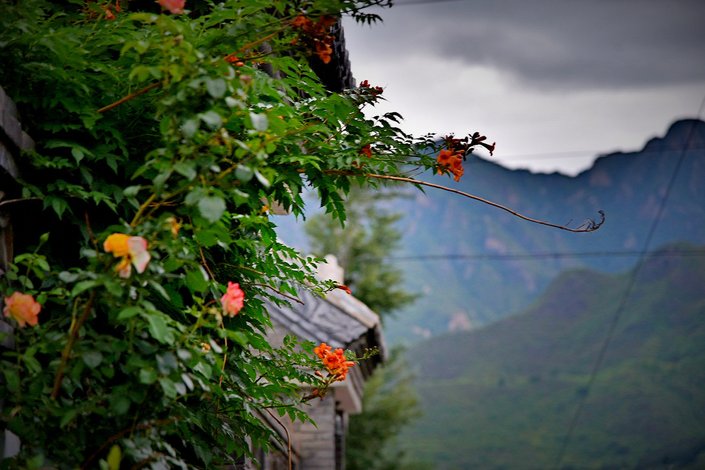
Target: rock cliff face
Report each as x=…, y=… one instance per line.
x=491, y=264
x=474, y=262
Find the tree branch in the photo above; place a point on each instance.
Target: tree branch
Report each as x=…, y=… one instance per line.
x=288, y=437
x=73, y=336
x=290, y=297
x=588, y=226
x=129, y=97
x=121, y=434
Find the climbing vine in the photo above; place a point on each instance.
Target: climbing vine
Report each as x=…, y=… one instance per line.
x=167, y=132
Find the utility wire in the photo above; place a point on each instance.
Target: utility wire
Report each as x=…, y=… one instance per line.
x=623, y=301
x=557, y=155
x=401, y=3
x=549, y=254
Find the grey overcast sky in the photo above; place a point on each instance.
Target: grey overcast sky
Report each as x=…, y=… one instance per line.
x=554, y=82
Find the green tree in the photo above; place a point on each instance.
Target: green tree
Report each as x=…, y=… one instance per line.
x=362, y=245
x=389, y=403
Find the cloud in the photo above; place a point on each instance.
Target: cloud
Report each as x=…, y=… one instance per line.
x=554, y=44
x=557, y=131
x=553, y=82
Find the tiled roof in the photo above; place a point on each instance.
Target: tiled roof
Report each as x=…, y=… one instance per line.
x=334, y=320
x=337, y=74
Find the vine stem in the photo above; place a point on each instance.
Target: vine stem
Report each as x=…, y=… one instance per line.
x=290, y=297
x=225, y=355
x=589, y=226
x=73, y=336
x=120, y=434
x=258, y=41
x=141, y=210
x=129, y=97
x=288, y=437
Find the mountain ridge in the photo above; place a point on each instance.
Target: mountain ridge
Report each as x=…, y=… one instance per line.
x=503, y=396
x=473, y=264
x=628, y=186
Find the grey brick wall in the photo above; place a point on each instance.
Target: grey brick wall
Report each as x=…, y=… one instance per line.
x=12, y=141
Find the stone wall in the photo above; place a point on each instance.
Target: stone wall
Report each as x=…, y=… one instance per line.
x=12, y=141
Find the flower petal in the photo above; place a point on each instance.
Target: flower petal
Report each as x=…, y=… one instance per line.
x=138, y=252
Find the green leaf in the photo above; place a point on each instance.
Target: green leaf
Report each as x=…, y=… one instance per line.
x=244, y=173
x=197, y=280
x=161, y=178
x=211, y=208
x=204, y=369
x=68, y=277
x=114, y=457
x=189, y=128
x=92, y=358
x=259, y=121
x=129, y=312
x=159, y=329
x=68, y=417
x=83, y=286
x=158, y=287
x=12, y=379
x=207, y=238
x=144, y=17
x=119, y=404
x=114, y=287
x=263, y=181
x=211, y=119
x=239, y=337
x=187, y=169
x=59, y=205
x=216, y=87
x=148, y=376
x=194, y=196
x=131, y=191
x=168, y=387
x=77, y=154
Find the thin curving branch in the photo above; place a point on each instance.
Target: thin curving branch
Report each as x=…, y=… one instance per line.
x=73, y=337
x=288, y=437
x=129, y=97
x=589, y=225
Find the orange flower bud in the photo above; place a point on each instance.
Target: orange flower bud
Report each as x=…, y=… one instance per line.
x=449, y=161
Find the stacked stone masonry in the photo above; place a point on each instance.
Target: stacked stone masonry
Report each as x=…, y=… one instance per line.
x=12, y=141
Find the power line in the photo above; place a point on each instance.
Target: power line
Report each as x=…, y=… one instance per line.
x=562, y=155
x=541, y=255
x=422, y=2
x=623, y=301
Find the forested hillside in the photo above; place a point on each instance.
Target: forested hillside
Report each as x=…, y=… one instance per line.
x=504, y=396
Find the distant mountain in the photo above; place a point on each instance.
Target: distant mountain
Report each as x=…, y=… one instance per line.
x=474, y=264
x=490, y=271
x=504, y=396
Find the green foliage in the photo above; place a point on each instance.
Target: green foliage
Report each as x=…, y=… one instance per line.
x=361, y=246
x=389, y=404
x=144, y=129
x=504, y=395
